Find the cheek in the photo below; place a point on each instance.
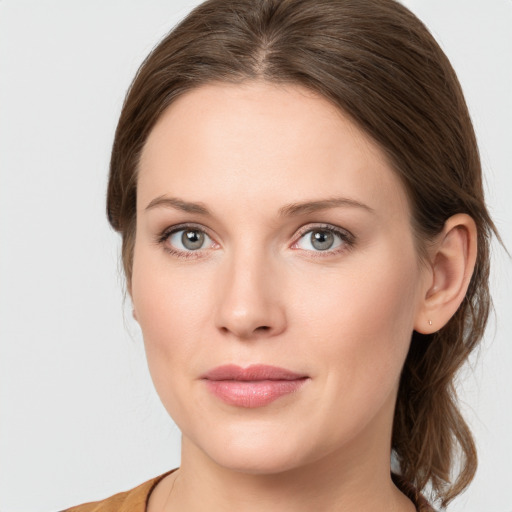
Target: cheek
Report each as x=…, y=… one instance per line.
x=359, y=327
x=168, y=299
x=171, y=311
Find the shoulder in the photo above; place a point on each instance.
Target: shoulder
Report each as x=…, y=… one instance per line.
x=134, y=500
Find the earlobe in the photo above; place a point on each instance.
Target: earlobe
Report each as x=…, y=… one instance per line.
x=452, y=261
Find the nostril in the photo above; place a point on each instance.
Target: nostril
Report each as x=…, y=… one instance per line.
x=263, y=328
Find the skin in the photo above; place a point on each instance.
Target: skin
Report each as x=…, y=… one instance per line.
x=258, y=292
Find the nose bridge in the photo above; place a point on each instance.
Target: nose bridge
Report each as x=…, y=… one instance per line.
x=250, y=303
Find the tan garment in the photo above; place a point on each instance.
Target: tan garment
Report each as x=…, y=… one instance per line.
x=129, y=501
x=136, y=499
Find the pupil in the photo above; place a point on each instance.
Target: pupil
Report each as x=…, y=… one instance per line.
x=322, y=240
x=192, y=239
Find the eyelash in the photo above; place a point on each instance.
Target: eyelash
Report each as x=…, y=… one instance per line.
x=163, y=237
x=347, y=238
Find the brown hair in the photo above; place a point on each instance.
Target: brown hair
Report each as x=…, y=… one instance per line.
x=378, y=63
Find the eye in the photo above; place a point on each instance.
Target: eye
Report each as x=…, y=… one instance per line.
x=323, y=239
x=186, y=239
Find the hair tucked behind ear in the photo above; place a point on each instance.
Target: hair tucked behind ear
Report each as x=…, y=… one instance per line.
x=377, y=62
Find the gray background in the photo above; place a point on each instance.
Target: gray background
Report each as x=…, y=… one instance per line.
x=79, y=419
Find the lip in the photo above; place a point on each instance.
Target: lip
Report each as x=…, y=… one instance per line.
x=254, y=386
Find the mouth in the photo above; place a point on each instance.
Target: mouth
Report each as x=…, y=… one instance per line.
x=254, y=386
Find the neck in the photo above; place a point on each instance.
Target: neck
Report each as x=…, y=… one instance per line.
x=332, y=483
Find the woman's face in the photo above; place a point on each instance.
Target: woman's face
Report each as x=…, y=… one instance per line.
x=271, y=231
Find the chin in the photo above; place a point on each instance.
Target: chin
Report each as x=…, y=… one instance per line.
x=264, y=462
x=257, y=453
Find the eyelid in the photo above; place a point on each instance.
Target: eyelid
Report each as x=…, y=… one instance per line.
x=328, y=227
x=346, y=236
x=164, y=235
x=183, y=226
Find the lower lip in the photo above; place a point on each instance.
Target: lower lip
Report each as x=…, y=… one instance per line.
x=252, y=394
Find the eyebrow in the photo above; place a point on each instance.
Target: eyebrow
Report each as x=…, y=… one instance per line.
x=289, y=210
x=324, y=204
x=177, y=204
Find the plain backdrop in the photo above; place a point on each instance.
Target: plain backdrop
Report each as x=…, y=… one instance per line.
x=79, y=419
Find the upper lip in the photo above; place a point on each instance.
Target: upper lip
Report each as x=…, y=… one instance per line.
x=253, y=372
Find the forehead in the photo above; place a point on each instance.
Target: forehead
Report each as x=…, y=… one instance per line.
x=259, y=140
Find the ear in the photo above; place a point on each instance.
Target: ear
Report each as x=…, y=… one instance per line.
x=451, y=263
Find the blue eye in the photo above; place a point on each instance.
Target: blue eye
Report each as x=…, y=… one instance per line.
x=323, y=239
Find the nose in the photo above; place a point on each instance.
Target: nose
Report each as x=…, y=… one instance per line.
x=250, y=300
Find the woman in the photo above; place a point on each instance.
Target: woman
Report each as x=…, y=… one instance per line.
x=305, y=242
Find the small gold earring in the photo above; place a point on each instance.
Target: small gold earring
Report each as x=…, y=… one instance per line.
x=430, y=322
